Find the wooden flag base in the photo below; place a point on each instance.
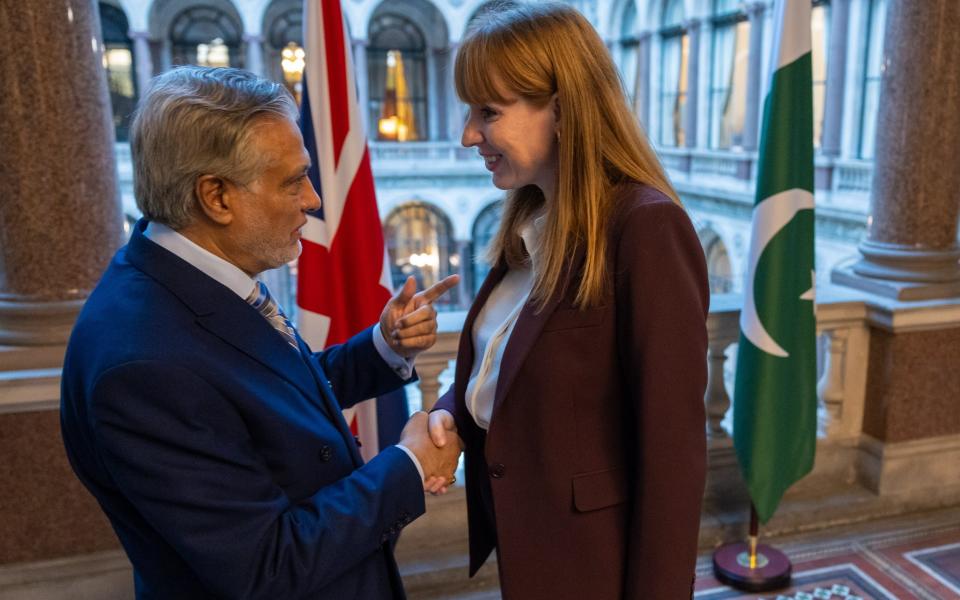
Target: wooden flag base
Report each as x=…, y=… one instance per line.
x=751, y=567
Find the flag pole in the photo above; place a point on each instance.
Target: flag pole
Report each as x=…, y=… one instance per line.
x=752, y=566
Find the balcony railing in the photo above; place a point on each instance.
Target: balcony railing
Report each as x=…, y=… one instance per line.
x=443, y=151
x=843, y=340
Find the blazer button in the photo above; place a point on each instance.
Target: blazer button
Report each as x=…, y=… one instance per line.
x=496, y=471
x=326, y=453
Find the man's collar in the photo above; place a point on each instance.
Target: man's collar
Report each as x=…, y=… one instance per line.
x=222, y=271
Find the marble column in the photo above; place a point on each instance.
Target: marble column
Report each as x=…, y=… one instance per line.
x=143, y=63
x=751, y=125
x=911, y=249
x=363, y=84
x=642, y=84
x=60, y=218
x=693, y=28
x=254, y=44
x=836, y=71
x=455, y=110
x=433, y=98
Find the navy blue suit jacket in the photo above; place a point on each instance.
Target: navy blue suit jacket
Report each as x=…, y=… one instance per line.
x=218, y=452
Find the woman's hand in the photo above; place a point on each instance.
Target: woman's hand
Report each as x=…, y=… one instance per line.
x=443, y=431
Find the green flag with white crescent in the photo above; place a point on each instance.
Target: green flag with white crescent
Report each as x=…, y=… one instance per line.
x=775, y=401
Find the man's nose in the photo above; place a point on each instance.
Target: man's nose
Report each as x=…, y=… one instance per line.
x=311, y=200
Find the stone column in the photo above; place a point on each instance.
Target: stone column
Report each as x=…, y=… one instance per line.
x=641, y=97
x=433, y=99
x=464, y=296
x=166, y=55
x=254, y=44
x=143, y=63
x=911, y=250
x=751, y=126
x=60, y=223
x=60, y=215
x=454, y=106
x=836, y=71
x=363, y=84
x=693, y=27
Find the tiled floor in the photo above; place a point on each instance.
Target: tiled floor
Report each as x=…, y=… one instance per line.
x=916, y=557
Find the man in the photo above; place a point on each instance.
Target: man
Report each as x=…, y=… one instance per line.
x=208, y=431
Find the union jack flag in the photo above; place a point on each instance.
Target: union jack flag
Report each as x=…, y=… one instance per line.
x=343, y=279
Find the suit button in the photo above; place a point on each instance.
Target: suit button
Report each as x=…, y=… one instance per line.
x=496, y=471
x=326, y=453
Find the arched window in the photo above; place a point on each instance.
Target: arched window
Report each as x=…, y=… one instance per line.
x=728, y=74
x=484, y=228
x=118, y=62
x=206, y=36
x=420, y=243
x=674, y=53
x=628, y=50
x=870, y=102
x=820, y=30
x=285, y=47
x=719, y=269
x=397, y=71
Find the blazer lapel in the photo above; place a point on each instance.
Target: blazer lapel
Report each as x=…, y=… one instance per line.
x=465, y=350
x=527, y=329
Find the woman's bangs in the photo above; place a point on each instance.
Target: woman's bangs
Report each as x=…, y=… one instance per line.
x=476, y=74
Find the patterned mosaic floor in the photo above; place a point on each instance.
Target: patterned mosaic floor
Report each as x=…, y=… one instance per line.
x=917, y=558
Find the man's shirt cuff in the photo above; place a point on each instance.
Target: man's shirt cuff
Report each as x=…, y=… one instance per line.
x=413, y=457
x=401, y=366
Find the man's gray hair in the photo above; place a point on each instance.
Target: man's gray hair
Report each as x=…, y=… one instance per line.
x=197, y=121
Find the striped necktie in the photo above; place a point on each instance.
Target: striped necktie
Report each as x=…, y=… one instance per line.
x=261, y=300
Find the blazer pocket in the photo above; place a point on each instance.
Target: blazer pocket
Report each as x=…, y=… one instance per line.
x=600, y=489
x=574, y=318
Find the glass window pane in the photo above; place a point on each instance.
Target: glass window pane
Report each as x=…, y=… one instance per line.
x=397, y=75
x=728, y=90
x=420, y=243
x=673, y=89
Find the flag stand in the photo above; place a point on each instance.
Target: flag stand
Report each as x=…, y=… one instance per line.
x=751, y=567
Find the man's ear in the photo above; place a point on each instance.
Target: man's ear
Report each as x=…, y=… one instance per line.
x=214, y=197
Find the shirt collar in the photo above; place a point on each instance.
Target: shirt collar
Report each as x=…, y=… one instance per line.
x=532, y=235
x=222, y=271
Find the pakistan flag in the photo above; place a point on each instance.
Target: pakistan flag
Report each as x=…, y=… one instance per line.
x=775, y=402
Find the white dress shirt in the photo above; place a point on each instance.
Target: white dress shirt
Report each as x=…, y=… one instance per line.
x=235, y=279
x=494, y=325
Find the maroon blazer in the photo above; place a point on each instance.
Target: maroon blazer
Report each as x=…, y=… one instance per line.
x=595, y=460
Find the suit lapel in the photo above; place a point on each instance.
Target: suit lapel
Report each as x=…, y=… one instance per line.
x=527, y=330
x=219, y=310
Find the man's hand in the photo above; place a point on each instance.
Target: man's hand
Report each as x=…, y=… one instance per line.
x=409, y=321
x=438, y=464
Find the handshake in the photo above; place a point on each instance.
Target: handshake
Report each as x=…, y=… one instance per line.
x=435, y=443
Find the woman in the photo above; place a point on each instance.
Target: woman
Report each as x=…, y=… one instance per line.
x=582, y=365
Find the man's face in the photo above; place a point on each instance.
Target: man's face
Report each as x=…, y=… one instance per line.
x=270, y=212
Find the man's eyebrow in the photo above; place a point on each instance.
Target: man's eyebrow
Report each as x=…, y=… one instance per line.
x=301, y=173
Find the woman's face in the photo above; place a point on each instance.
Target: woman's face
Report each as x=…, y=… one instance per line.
x=517, y=140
